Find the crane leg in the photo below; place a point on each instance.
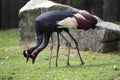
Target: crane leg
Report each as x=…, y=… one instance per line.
x=69, y=45
x=58, y=46
x=51, y=50
x=76, y=43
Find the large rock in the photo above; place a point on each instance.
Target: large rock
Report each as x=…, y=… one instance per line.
x=31, y=10
x=105, y=38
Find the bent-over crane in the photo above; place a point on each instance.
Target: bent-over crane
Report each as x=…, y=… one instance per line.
x=58, y=21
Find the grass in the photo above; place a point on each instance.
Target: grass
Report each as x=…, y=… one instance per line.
x=117, y=22
x=13, y=66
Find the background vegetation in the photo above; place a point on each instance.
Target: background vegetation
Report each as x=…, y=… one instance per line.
x=108, y=10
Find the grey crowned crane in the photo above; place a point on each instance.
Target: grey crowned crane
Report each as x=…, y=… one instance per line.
x=58, y=21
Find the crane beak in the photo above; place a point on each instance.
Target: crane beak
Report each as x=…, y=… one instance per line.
x=33, y=56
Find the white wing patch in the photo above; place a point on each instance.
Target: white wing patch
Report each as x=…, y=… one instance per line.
x=69, y=22
x=79, y=16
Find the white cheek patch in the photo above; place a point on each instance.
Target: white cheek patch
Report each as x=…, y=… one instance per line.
x=69, y=22
x=78, y=15
x=26, y=52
